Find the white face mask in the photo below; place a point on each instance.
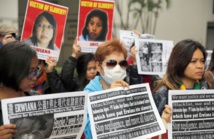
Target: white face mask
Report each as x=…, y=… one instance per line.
x=114, y=74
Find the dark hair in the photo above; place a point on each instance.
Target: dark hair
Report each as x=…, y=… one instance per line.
x=103, y=16
x=52, y=21
x=15, y=60
x=179, y=59
x=82, y=64
x=211, y=65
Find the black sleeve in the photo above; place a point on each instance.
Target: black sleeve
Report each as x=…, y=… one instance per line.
x=134, y=77
x=53, y=84
x=161, y=99
x=1, y=116
x=67, y=74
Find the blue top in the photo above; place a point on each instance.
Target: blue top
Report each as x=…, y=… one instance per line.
x=83, y=39
x=93, y=86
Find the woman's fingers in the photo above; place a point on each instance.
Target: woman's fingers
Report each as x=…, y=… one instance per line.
x=7, y=131
x=167, y=113
x=119, y=83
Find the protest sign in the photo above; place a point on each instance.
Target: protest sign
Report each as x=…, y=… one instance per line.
x=47, y=116
x=124, y=113
x=152, y=55
x=43, y=27
x=95, y=21
x=192, y=114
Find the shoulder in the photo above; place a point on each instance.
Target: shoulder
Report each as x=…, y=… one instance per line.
x=83, y=39
x=33, y=93
x=162, y=90
x=28, y=41
x=204, y=85
x=94, y=85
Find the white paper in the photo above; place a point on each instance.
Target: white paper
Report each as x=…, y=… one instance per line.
x=124, y=114
x=152, y=56
x=192, y=114
x=51, y=116
x=128, y=38
x=208, y=59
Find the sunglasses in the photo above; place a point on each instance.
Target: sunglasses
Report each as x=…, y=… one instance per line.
x=33, y=74
x=112, y=63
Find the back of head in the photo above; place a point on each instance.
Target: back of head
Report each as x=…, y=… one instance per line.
x=6, y=29
x=109, y=47
x=15, y=60
x=179, y=59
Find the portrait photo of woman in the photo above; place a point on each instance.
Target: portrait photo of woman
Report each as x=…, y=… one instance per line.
x=44, y=32
x=95, y=27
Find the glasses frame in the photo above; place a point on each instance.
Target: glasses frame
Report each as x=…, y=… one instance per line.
x=32, y=74
x=49, y=27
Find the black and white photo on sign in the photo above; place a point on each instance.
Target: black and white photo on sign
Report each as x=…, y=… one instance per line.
x=124, y=113
x=192, y=114
x=35, y=127
x=51, y=116
x=152, y=56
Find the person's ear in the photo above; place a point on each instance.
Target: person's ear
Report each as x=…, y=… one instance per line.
x=98, y=66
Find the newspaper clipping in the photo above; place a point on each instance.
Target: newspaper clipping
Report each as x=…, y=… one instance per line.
x=124, y=114
x=48, y=116
x=152, y=55
x=95, y=22
x=192, y=114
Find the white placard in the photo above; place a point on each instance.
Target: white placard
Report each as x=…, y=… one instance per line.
x=47, y=116
x=124, y=113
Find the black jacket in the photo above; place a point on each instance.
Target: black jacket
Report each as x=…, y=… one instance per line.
x=161, y=96
x=61, y=83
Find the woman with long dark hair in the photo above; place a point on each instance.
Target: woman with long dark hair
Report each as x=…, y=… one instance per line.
x=18, y=74
x=82, y=64
x=185, y=70
x=44, y=32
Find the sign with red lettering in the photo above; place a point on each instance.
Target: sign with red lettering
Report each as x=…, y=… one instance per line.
x=44, y=27
x=95, y=23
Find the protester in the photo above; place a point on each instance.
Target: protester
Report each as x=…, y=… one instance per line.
x=185, y=70
x=86, y=71
x=112, y=66
x=7, y=34
x=18, y=70
x=66, y=82
x=44, y=32
x=96, y=26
